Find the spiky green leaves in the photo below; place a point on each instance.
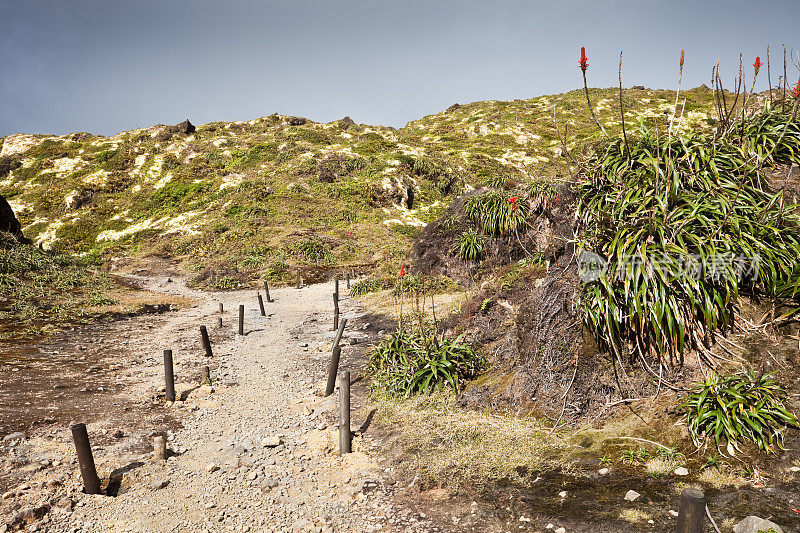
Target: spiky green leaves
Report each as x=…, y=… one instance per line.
x=738, y=408
x=495, y=214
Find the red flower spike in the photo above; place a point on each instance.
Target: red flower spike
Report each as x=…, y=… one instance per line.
x=558, y=198
x=584, y=62
x=796, y=90
x=682, y=54
x=757, y=65
x=402, y=271
x=513, y=199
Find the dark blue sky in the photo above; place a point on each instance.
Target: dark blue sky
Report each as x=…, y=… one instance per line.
x=106, y=65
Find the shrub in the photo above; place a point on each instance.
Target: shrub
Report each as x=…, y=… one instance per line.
x=316, y=251
x=736, y=408
x=366, y=286
x=684, y=226
x=494, y=213
x=414, y=361
x=470, y=245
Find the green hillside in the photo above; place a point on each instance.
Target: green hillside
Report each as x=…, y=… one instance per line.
x=238, y=201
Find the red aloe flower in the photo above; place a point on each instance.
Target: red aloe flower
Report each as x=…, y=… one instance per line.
x=584, y=61
x=682, y=54
x=558, y=197
x=796, y=90
x=757, y=65
x=402, y=271
x=513, y=201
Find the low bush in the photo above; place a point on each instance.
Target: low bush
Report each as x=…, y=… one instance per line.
x=737, y=408
x=414, y=361
x=496, y=214
x=470, y=245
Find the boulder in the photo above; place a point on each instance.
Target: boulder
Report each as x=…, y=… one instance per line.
x=9, y=222
x=346, y=122
x=754, y=524
x=186, y=127
x=297, y=121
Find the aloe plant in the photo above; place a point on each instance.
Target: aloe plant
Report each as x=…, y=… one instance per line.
x=737, y=408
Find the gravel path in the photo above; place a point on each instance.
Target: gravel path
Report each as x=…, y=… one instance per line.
x=259, y=450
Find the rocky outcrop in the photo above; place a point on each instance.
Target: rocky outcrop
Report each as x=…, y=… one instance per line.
x=9, y=222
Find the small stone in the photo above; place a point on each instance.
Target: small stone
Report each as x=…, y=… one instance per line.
x=681, y=471
x=212, y=467
x=673, y=513
x=210, y=505
x=252, y=475
x=562, y=494
x=304, y=345
x=118, y=434
x=14, y=436
x=632, y=496
x=603, y=471
x=561, y=530
x=159, y=484
x=270, y=483
x=794, y=469
x=271, y=442
x=549, y=526
x=754, y=524
x=8, y=495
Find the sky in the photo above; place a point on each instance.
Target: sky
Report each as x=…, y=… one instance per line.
x=106, y=66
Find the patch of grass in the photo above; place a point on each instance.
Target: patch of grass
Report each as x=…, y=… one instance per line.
x=470, y=245
x=367, y=286
x=495, y=214
x=447, y=444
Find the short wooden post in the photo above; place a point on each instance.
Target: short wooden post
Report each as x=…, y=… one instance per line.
x=266, y=292
x=206, y=341
x=335, y=311
x=333, y=369
x=206, y=376
x=347, y=277
x=91, y=483
x=221, y=308
x=241, y=320
x=261, y=305
x=160, y=447
x=219, y=322
x=691, y=513
x=336, y=286
x=299, y=282
x=339, y=333
x=169, y=376
x=344, y=413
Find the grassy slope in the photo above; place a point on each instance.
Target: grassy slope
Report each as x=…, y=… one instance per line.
x=238, y=201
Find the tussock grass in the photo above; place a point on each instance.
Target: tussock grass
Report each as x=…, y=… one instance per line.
x=450, y=445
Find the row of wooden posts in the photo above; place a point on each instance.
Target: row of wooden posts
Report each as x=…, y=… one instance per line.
x=91, y=481
x=691, y=513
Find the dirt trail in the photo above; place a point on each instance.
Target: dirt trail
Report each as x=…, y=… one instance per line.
x=227, y=473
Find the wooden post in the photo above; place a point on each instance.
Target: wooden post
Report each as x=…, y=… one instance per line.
x=336, y=286
x=691, y=513
x=333, y=369
x=266, y=291
x=261, y=305
x=219, y=322
x=241, y=320
x=344, y=414
x=221, y=308
x=169, y=376
x=347, y=276
x=160, y=447
x=91, y=483
x=335, y=311
x=206, y=376
x=206, y=341
x=299, y=281
x=339, y=333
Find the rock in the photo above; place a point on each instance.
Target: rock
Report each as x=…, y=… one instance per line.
x=561, y=530
x=186, y=127
x=118, y=434
x=562, y=494
x=346, y=122
x=673, y=513
x=270, y=483
x=10, y=224
x=159, y=484
x=8, y=495
x=252, y=475
x=271, y=442
x=603, y=471
x=638, y=87
x=304, y=345
x=632, y=496
x=13, y=436
x=754, y=524
x=297, y=121
x=794, y=469
x=681, y=471
x=212, y=467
